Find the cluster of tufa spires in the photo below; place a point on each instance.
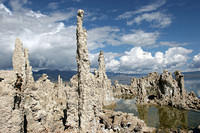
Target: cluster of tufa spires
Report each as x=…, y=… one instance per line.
x=78, y=106
x=21, y=64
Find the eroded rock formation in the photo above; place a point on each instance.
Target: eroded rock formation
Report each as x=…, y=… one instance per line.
x=18, y=57
x=28, y=69
x=123, y=91
x=103, y=83
x=42, y=106
x=87, y=91
x=45, y=106
x=160, y=89
x=11, y=113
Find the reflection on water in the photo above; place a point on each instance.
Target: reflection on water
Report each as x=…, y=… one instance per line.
x=163, y=117
x=160, y=117
x=173, y=118
x=149, y=115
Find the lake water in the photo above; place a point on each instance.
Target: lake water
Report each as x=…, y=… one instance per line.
x=159, y=117
x=165, y=116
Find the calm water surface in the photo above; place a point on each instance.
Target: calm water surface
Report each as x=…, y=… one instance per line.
x=159, y=117
x=165, y=116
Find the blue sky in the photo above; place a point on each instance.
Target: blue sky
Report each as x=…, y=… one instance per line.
x=136, y=36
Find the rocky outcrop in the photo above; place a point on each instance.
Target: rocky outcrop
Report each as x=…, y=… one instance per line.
x=179, y=77
x=72, y=120
x=18, y=57
x=140, y=87
x=172, y=92
x=160, y=89
x=29, y=106
x=123, y=91
x=11, y=108
x=192, y=101
x=91, y=117
x=87, y=91
x=121, y=123
x=103, y=83
x=28, y=69
x=141, y=92
x=147, y=87
x=45, y=106
x=13, y=88
x=21, y=64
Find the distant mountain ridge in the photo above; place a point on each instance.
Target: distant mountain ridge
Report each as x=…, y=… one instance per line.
x=123, y=78
x=67, y=75
x=53, y=74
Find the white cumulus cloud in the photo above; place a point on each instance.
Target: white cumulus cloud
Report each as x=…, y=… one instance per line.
x=139, y=61
x=140, y=38
x=51, y=43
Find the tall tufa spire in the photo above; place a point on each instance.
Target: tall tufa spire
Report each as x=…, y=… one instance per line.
x=87, y=102
x=28, y=68
x=82, y=50
x=18, y=59
x=102, y=67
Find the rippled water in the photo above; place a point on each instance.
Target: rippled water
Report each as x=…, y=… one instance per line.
x=159, y=117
